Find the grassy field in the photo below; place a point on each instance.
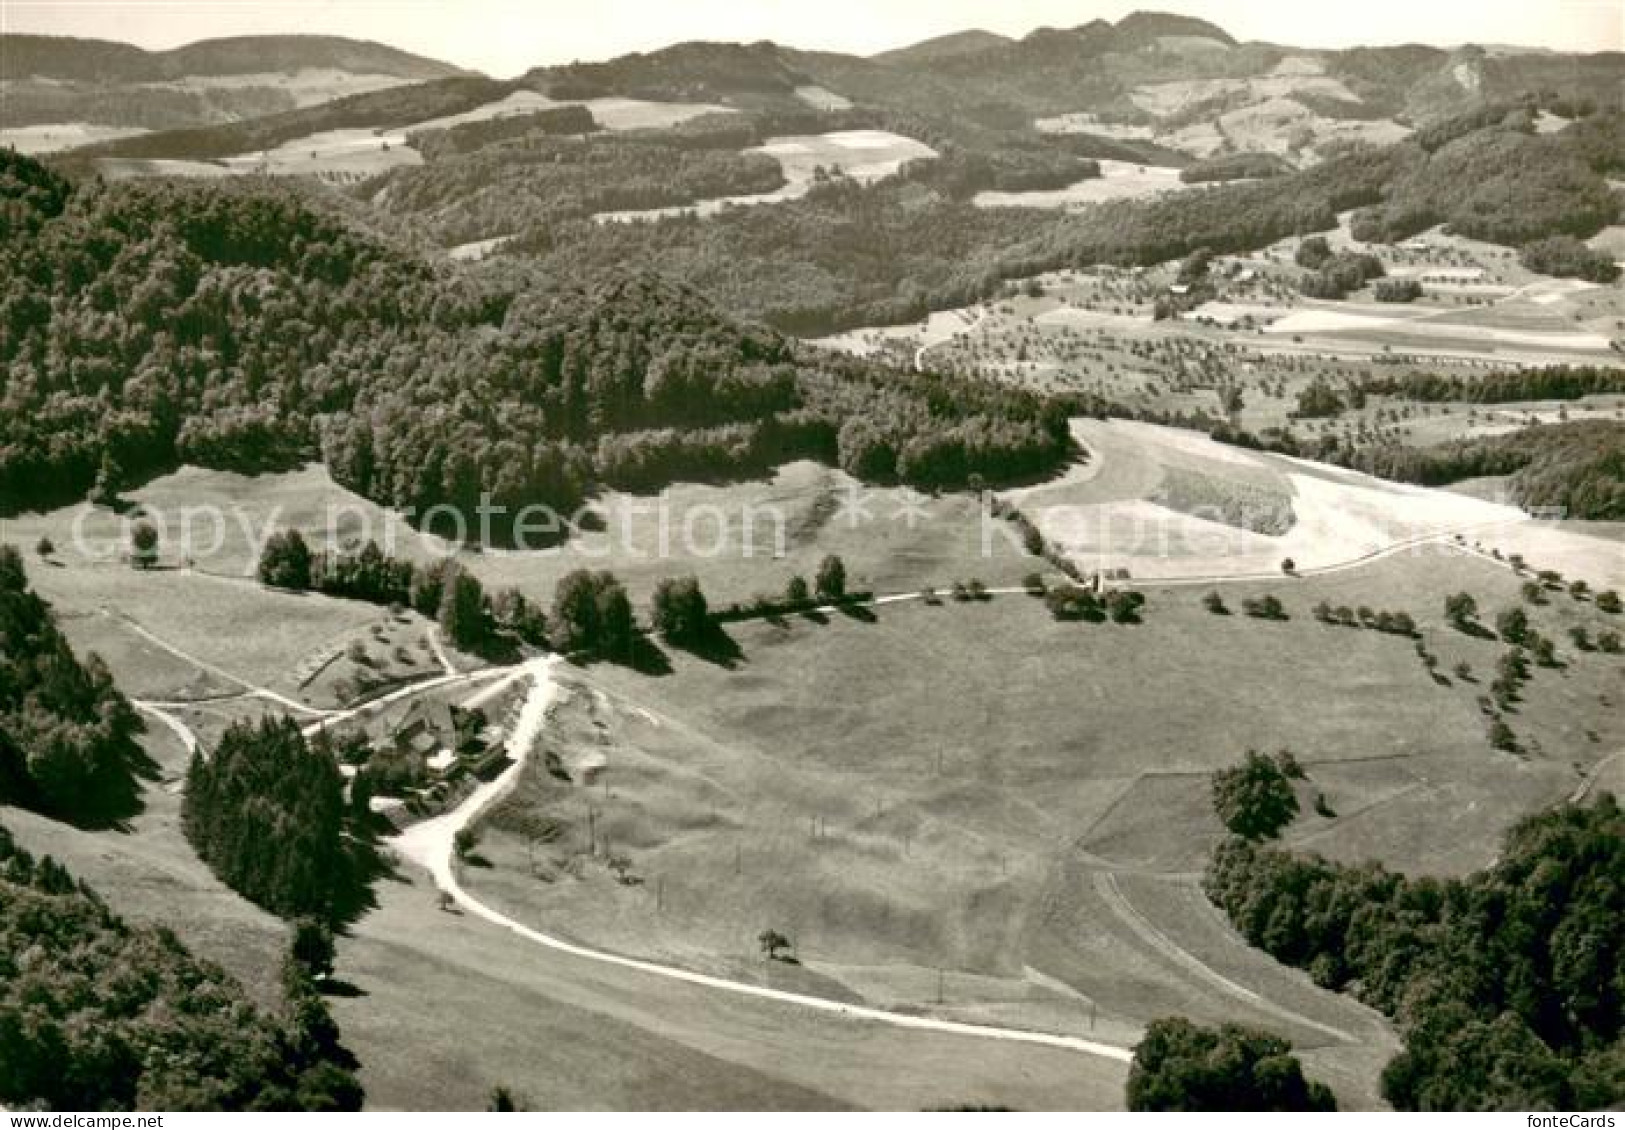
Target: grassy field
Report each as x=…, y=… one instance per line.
x=1008, y=832
x=743, y=539
x=1118, y=180
x=1167, y=503
x=962, y=822
x=863, y=155
x=441, y=1008
x=57, y=136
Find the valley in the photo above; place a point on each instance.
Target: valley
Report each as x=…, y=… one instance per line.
x=1070, y=571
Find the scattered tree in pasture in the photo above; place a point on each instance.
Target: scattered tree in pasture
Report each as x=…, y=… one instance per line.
x=285, y=561
x=1512, y=625
x=1461, y=609
x=830, y=583
x=680, y=612
x=1254, y=799
x=144, y=545
x=774, y=945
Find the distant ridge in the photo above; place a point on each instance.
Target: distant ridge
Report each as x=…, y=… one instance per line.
x=104, y=62
x=945, y=47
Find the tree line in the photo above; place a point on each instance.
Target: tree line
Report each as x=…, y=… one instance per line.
x=1505, y=985
x=243, y=326
x=67, y=735
x=96, y=1014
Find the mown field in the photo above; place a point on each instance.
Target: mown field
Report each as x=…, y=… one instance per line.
x=963, y=808
x=1018, y=783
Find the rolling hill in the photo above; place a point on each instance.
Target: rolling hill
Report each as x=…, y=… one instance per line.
x=61, y=92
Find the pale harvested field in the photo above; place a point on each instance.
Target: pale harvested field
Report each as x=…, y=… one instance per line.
x=308, y=86
x=863, y=155
x=1102, y=515
x=57, y=136
x=1118, y=180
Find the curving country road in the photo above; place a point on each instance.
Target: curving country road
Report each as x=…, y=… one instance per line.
x=430, y=845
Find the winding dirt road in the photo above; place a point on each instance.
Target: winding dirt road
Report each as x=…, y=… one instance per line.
x=430, y=845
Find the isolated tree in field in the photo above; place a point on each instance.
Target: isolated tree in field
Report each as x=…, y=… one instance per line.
x=1254, y=799
x=1461, y=609
x=830, y=583
x=1608, y=641
x=502, y=1101
x=1502, y=737
x=679, y=611
x=1513, y=625
x=463, y=613
x=285, y=561
x=1123, y=606
x=1214, y=603
x=1265, y=607
x=144, y=545
x=591, y=612
x=1608, y=601
x=796, y=591
x=45, y=547
x=1179, y=1066
x=773, y=944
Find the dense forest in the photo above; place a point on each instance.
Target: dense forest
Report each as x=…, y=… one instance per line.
x=1235, y=166
x=1507, y=985
x=67, y=736
x=239, y=326
x=96, y=1014
x=1578, y=466
x=1505, y=386
x=1503, y=183
x=1180, y=1066
x=887, y=253
x=265, y=809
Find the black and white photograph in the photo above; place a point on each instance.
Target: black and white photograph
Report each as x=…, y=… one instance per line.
x=870, y=555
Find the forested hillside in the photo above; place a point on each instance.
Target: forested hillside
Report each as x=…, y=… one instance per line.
x=849, y=254
x=1508, y=985
x=96, y=1014
x=58, y=79
x=67, y=736
x=238, y=326
x=1577, y=466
